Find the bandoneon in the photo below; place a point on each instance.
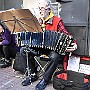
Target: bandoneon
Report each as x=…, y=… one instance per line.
x=49, y=40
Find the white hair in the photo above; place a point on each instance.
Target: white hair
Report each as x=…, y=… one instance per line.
x=45, y=2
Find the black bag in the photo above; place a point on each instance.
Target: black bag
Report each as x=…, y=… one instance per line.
x=70, y=80
x=18, y=63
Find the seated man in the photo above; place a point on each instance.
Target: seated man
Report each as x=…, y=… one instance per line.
x=7, y=44
x=48, y=22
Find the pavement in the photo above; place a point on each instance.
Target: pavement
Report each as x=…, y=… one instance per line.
x=11, y=80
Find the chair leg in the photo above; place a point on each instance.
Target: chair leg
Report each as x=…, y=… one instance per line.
x=41, y=67
x=39, y=63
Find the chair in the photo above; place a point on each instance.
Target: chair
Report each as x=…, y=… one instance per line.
x=42, y=62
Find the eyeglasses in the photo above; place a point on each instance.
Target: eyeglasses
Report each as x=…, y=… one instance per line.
x=43, y=9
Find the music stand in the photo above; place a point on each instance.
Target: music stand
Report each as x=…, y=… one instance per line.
x=21, y=20
x=24, y=17
x=27, y=75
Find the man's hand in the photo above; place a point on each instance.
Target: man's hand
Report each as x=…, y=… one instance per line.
x=72, y=47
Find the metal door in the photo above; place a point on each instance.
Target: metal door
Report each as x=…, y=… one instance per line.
x=75, y=14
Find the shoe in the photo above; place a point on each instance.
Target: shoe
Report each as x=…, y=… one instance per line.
x=4, y=64
x=28, y=81
x=34, y=78
x=41, y=85
x=2, y=59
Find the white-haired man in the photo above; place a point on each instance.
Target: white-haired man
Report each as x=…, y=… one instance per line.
x=49, y=22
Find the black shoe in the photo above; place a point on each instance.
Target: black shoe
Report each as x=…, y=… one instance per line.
x=2, y=59
x=34, y=78
x=28, y=80
x=41, y=85
x=4, y=64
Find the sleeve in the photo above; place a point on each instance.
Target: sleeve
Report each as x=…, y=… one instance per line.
x=61, y=28
x=7, y=39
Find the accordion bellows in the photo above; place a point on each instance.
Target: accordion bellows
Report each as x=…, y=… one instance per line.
x=49, y=40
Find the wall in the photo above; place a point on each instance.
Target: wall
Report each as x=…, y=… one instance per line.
x=32, y=5
x=1, y=5
x=8, y=4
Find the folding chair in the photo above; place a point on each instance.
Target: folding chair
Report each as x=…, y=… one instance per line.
x=42, y=62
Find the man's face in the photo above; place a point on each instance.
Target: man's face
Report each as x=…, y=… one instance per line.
x=1, y=29
x=43, y=11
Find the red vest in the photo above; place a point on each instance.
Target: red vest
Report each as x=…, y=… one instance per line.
x=53, y=26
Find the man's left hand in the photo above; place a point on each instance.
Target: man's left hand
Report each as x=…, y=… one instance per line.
x=72, y=47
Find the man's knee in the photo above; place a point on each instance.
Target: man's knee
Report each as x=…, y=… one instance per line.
x=22, y=50
x=54, y=56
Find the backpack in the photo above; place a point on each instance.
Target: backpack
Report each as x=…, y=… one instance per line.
x=70, y=80
x=18, y=63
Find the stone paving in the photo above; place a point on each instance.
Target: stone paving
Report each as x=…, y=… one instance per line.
x=10, y=80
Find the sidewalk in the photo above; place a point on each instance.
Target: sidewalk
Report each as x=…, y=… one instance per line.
x=10, y=80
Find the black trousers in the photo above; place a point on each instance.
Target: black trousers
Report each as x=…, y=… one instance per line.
x=55, y=59
x=9, y=51
x=1, y=51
